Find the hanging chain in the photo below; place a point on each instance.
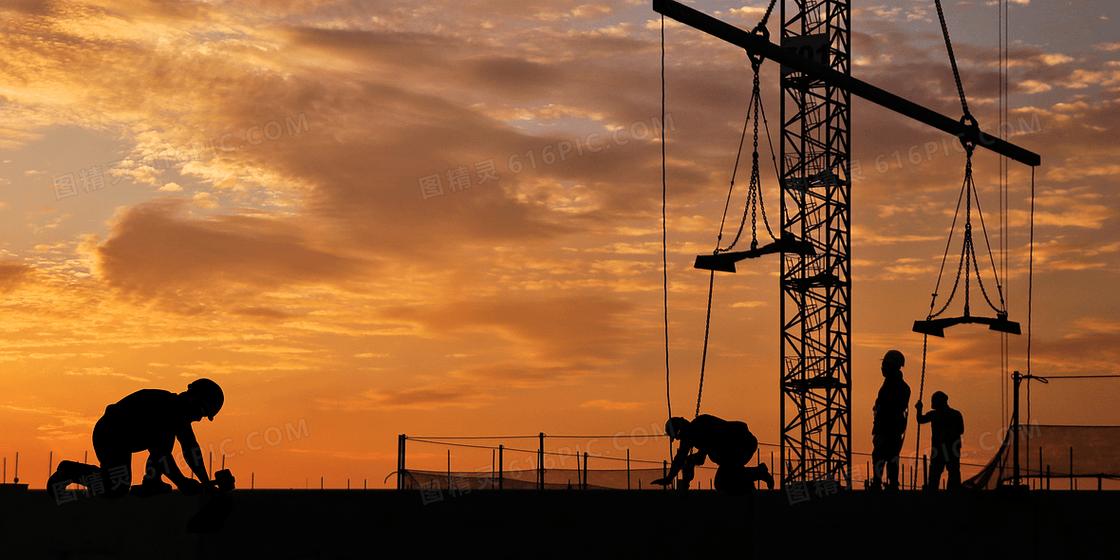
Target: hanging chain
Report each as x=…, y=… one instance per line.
x=753, y=192
x=953, y=61
x=755, y=201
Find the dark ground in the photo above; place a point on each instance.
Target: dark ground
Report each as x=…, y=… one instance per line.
x=528, y=524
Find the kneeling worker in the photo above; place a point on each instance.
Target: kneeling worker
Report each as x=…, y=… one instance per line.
x=147, y=420
x=730, y=445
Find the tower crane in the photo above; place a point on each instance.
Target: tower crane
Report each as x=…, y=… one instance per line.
x=817, y=86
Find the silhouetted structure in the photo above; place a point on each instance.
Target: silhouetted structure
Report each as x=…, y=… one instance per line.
x=948, y=426
x=730, y=444
x=147, y=420
x=889, y=428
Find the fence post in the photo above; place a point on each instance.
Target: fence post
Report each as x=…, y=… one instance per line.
x=540, y=464
x=585, y=470
x=627, y=468
x=400, y=461
x=501, y=465
x=1071, y=481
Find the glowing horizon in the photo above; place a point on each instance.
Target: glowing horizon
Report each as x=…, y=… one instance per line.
x=442, y=219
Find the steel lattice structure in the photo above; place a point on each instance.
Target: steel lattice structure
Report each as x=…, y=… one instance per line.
x=816, y=389
x=816, y=185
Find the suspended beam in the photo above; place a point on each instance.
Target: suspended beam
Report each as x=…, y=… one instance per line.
x=725, y=262
x=936, y=327
x=759, y=46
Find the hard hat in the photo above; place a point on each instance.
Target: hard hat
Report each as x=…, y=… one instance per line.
x=894, y=358
x=208, y=395
x=674, y=425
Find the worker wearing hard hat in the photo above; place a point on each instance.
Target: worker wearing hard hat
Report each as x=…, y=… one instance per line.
x=147, y=420
x=891, y=408
x=948, y=426
x=729, y=444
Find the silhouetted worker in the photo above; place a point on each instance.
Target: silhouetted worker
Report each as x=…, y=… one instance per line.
x=889, y=429
x=147, y=420
x=948, y=426
x=730, y=444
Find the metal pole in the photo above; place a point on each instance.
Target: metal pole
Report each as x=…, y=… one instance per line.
x=579, y=473
x=1071, y=481
x=627, y=468
x=1018, y=378
x=501, y=466
x=540, y=464
x=400, y=461
x=585, y=470
x=15, y=479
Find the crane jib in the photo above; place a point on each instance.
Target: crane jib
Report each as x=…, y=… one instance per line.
x=759, y=46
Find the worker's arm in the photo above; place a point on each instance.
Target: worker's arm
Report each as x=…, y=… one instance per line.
x=193, y=455
x=679, y=461
x=922, y=418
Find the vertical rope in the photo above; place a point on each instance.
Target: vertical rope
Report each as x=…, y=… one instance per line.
x=664, y=233
x=921, y=391
x=707, y=329
x=1030, y=309
x=1030, y=277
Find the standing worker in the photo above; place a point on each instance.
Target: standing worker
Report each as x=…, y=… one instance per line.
x=889, y=429
x=948, y=426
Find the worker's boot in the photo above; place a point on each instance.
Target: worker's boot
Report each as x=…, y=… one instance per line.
x=67, y=473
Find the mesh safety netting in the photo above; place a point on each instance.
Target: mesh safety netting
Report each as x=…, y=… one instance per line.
x=1054, y=451
x=554, y=479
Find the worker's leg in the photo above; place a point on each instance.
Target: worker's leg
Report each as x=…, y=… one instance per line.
x=953, y=462
x=116, y=463
x=936, y=466
x=67, y=473
x=734, y=480
x=688, y=471
x=760, y=472
x=892, y=473
x=880, y=455
x=159, y=464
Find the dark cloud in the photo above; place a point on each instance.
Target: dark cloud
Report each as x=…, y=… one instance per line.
x=572, y=329
x=159, y=250
x=12, y=275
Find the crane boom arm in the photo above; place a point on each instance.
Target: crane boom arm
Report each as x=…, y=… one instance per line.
x=759, y=46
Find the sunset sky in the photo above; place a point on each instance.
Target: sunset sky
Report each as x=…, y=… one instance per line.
x=435, y=218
